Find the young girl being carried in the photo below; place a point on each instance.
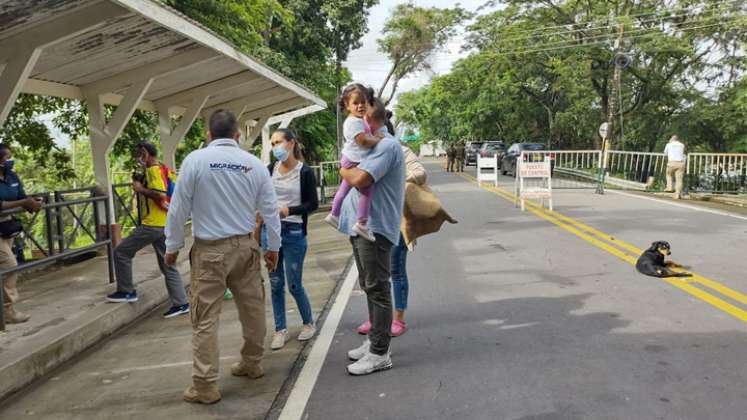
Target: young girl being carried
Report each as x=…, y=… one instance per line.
x=359, y=141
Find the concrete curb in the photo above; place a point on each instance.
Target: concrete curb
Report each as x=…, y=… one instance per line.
x=74, y=336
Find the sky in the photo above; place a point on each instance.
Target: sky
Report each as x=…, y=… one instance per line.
x=370, y=67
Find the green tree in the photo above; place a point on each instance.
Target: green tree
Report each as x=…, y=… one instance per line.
x=410, y=36
x=541, y=71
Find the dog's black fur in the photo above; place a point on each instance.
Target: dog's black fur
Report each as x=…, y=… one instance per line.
x=651, y=262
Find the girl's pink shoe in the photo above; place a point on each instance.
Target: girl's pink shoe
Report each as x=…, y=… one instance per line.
x=398, y=328
x=364, y=328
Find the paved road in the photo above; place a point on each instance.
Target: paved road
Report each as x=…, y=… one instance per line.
x=514, y=317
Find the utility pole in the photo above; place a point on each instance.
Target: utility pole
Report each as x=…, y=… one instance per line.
x=612, y=109
x=338, y=82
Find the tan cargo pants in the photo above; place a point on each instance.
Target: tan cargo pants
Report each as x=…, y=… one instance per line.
x=8, y=260
x=234, y=262
x=678, y=170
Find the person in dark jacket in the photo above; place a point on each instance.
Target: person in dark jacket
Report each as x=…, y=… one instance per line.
x=12, y=196
x=295, y=186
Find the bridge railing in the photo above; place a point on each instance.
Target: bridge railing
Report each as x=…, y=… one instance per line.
x=575, y=168
x=635, y=170
x=329, y=180
x=58, y=239
x=717, y=172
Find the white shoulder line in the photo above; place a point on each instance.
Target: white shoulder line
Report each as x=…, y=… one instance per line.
x=685, y=206
x=299, y=395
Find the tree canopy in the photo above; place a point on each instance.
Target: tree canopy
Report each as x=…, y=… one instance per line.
x=542, y=70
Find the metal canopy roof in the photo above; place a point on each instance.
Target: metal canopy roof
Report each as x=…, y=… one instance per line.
x=106, y=46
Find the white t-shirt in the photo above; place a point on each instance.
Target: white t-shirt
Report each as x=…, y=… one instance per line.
x=350, y=129
x=675, y=151
x=288, y=189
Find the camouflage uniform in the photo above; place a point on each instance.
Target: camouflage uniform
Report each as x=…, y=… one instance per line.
x=460, y=157
x=450, y=156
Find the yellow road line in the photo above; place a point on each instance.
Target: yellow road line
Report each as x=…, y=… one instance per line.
x=606, y=242
x=696, y=278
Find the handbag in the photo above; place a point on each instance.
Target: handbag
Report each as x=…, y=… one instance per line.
x=10, y=228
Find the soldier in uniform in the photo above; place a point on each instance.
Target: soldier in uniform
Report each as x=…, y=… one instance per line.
x=450, y=156
x=460, y=156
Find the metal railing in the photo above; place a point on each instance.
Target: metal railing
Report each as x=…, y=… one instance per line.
x=575, y=168
x=716, y=172
x=126, y=205
x=635, y=170
x=329, y=180
x=58, y=247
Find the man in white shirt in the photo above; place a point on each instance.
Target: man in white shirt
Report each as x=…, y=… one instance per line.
x=222, y=187
x=675, y=152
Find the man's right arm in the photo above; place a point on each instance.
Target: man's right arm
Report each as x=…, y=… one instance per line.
x=180, y=207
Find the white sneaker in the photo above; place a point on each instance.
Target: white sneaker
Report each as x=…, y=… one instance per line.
x=364, y=232
x=357, y=354
x=332, y=220
x=307, y=332
x=370, y=363
x=278, y=339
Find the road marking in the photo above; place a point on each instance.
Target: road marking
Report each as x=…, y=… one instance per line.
x=301, y=392
x=682, y=205
x=606, y=242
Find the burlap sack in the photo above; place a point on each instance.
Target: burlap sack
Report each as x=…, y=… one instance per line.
x=423, y=213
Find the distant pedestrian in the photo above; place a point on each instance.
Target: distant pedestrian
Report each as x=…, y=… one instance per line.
x=385, y=166
x=459, y=156
x=450, y=157
x=295, y=186
x=222, y=187
x=675, y=152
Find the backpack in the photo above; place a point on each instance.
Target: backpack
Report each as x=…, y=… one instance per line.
x=169, y=180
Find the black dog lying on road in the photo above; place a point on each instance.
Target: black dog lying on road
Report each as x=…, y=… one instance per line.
x=651, y=262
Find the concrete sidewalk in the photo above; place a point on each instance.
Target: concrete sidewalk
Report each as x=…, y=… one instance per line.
x=69, y=314
x=142, y=371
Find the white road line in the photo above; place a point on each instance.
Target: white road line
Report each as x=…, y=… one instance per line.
x=682, y=205
x=299, y=396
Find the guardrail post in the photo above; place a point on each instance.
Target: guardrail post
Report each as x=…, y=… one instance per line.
x=60, y=228
x=97, y=220
x=321, y=183
x=48, y=227
x=109, y=246
x=602, y=168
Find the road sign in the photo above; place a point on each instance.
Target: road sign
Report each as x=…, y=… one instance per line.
x=603, y=130
x=540, y=174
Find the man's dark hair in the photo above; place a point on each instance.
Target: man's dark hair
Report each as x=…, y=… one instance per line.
x=377, y=111
x=3, y=148
x=223, y=124
x=149, y=148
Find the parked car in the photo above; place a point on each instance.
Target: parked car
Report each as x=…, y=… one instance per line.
x=508, y=159
x=471, y=150
x=492, y=148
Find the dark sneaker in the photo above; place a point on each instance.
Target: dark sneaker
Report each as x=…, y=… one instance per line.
x=119, y=297
x=177, y=310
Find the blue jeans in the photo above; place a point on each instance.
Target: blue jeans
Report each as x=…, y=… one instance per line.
x=290, y=267
x=398, y=267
